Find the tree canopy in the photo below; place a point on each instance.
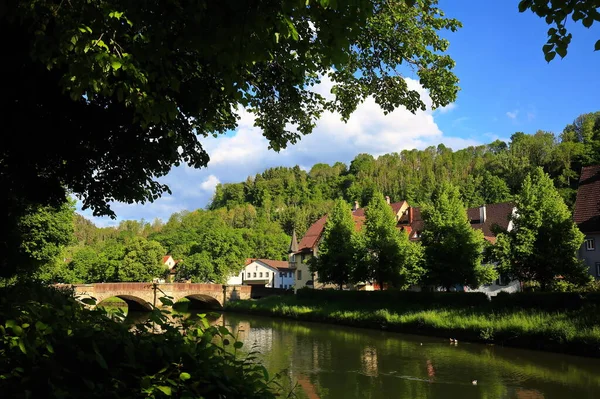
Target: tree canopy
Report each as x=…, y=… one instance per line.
x=544, y=240
x=453, y=249
x=140, y=84
x=337, y=254
x=388, y=256
x=556, y=13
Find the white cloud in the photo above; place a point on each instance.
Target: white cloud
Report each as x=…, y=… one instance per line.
x=210, y=183
x=234, y=157
x=513, y=114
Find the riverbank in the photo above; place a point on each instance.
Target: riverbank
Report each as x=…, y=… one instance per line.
x=574, y=332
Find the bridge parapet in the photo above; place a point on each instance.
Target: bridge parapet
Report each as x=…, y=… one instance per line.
x=140, y=296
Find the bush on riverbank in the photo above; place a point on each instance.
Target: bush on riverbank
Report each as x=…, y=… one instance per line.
x=52, y=347
x=550, y=301
x=405, y=298
x=576, y=332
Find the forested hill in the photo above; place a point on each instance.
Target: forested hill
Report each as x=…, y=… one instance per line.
x=485, y=174
x=255, y=218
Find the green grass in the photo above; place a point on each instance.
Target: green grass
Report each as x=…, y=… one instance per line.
x=576, y=332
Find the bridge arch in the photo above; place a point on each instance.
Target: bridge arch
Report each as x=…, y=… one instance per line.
x=134, y=303
x=196, y=299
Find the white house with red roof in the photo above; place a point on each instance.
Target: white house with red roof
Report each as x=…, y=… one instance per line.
x=265, y=272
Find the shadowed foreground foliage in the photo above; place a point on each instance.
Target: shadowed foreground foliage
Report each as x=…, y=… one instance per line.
x=52, y=347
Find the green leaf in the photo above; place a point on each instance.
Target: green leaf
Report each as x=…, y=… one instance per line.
x=276, y=37
x=40, y=326
x=238, y=344
x=165, y=301
x=524, y=5
x=292, y=29
x=17, y=330
x=550, y=56
x=597, y=46
x=115, y=64
x=22, y=346
x=562, y=51
x=89, y=301
x=223, y=330
x=588, y=21
x=164, y=389
x=10, y=323
x=184, y=376
x=101, y=361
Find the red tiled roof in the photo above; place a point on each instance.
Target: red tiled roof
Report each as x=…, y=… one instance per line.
x=312, y=235
x=496, y=214
x=275, y=264
x=395, y=207
x=587, y=204
x=165, y=258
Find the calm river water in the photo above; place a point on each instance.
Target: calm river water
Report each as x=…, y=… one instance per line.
x=327, y=361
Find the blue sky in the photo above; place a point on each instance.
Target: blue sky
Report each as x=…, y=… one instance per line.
x=506, y=86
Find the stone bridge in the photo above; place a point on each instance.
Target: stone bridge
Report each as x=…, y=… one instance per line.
x=140, y=296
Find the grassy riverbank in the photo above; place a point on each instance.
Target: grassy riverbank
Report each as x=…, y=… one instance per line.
x=571, y=331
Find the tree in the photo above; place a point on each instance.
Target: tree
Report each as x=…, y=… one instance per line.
x=38, y=238
x=219, y=254
x=142, y=261
x=544, y=240
x=336, y=260
x=135, y=89
x=453, y=249
x=557, y=13
x=388, y=256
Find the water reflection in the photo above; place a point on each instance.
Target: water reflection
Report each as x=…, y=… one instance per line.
x=335, y=362
x=326, y=361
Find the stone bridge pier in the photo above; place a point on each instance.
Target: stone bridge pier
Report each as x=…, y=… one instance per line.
x=141, y=296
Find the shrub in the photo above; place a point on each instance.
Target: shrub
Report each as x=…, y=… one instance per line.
x=394, y=297
x=52, y=347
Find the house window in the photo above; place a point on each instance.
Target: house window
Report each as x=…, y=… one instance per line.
x=254, y=274
x=280, y=274
x=299, y=275
x=260, y=274
x=280, y=285
x=590, y=245
x=598, y=269
x=266, y=274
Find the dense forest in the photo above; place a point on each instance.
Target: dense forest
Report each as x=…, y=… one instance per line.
x=255, y=218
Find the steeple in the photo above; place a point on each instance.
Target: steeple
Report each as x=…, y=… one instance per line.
x=294, y=243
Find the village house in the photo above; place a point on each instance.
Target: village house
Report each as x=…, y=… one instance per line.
x=587, y=217
x=171, y=264
x=408, y=218
x=265, y=272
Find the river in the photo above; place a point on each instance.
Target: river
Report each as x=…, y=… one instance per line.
x=331, y=362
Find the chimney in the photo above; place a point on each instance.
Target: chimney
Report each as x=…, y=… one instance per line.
x=387, y=199
x=410, y=215
x=482, y=214
x=355, y=206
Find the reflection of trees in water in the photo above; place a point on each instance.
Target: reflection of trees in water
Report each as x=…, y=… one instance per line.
x=327, y=360
x=361, y=363
x=369, y=361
